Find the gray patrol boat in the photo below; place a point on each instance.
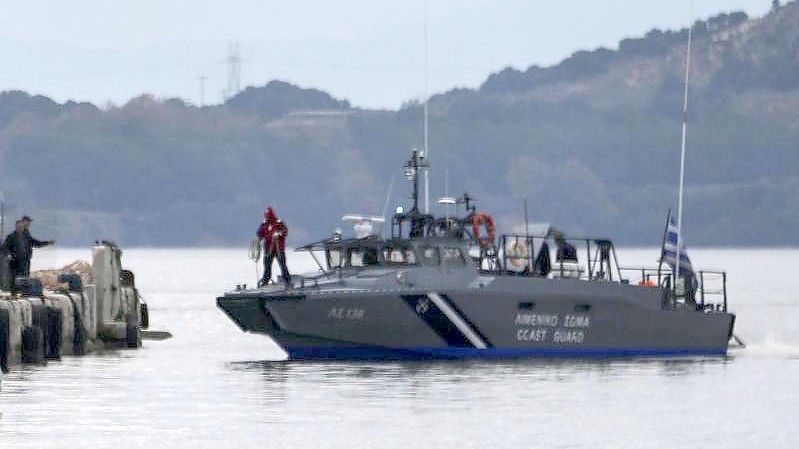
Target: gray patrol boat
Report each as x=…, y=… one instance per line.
x=438, y=288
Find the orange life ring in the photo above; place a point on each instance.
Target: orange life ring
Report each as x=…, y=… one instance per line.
x=482, y=218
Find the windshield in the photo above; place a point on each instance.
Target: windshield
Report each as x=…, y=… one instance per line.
x=333, y=258
x=430, y=255
x=399, y=255
x=452, y=256
x=362, y=257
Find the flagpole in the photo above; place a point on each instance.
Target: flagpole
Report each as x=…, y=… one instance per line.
x=663, y=242
x=682, y=151
x=426, y=119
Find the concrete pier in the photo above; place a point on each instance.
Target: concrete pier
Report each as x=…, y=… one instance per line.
x=75, y=319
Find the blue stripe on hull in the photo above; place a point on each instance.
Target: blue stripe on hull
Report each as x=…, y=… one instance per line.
x=422, y=353
x=353, y=353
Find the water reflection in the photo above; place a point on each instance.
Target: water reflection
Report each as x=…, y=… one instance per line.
x=471, y=371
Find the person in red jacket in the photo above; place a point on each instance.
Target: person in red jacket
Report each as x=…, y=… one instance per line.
x=273, y=233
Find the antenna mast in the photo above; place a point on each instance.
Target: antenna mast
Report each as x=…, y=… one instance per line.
x=412, y=167
x=426, y=120
x=682, y=152
x=526, y=220
x=233, y=70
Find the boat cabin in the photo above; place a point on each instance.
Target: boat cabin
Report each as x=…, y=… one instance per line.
x=373, y=252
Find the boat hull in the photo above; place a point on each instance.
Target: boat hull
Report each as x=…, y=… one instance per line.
x=515, y=318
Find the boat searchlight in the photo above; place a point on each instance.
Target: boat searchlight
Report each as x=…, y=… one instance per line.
x=363, y=225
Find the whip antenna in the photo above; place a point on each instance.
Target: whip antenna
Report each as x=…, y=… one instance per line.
x=682, y=151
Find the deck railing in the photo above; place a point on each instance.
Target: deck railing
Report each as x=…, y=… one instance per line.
x=518, y=253
x=709, y=292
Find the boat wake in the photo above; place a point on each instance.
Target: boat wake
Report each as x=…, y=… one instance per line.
x=774, y=345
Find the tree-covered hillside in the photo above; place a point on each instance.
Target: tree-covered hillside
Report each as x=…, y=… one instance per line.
x=593, y=142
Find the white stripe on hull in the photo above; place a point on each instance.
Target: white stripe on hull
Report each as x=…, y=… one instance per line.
x=453, y=316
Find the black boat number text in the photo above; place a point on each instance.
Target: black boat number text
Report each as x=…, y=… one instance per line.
x=346, y=313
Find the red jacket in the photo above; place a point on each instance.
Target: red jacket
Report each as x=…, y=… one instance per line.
x=273, y=233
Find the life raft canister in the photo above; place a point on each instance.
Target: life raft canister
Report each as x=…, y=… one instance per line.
x=482, y=218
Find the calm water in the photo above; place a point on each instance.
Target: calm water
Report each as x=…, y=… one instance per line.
x=212, y=386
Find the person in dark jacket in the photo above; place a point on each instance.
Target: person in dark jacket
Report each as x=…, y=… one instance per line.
x=19, y=245
x=273, y=233
x=543, y=264
x=566, y=251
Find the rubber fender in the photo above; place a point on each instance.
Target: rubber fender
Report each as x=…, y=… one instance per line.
x=77, y=338
x=6, y=277
x=145, y=316
x=77, y=331
x=5, y=328
x=127, y=278
x=40, y=318
x=132, y=337
x=32, y=345
x=54, y=334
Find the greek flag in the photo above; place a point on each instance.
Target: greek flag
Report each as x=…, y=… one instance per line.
x=669, y=254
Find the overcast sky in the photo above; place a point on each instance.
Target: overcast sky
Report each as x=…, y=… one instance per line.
x=368, y=51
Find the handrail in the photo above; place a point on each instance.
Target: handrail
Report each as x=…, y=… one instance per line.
x=703, y=288
x=707, y=285
x=600, y=256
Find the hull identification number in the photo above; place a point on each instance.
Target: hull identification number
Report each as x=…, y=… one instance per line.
x=346, y=313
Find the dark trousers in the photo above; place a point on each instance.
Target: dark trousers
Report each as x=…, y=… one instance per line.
x=281, y=260
x=20, y=267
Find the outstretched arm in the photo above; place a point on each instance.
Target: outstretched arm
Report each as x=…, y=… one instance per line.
x=41, y=243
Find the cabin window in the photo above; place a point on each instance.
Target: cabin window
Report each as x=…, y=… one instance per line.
x=399, y=255
x=334, y=258
x=363, y=257
x=452, y=256
x=430, y=255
